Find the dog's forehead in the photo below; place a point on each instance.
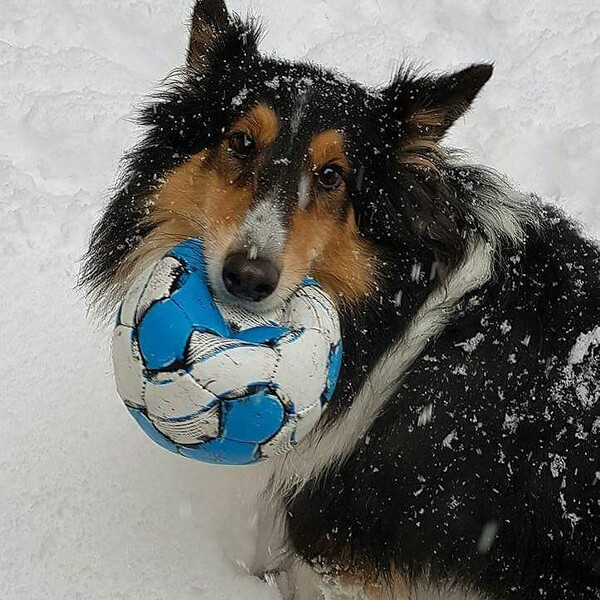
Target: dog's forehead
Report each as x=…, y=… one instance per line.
x=307, y=99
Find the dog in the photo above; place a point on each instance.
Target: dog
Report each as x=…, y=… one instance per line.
x=461, y=451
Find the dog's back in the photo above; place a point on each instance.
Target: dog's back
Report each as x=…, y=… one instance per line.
x=482, y=467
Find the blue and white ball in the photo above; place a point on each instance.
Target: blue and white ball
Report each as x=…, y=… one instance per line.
x=217, y=383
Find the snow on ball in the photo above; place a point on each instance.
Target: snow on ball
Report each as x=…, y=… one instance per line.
x=216, y=382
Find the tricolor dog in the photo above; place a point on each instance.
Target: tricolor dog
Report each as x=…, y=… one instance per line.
x=460, y=455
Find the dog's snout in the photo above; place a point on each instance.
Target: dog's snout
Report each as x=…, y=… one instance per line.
x=250, y=279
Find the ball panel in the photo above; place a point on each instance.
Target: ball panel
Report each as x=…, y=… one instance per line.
x=307, y=419
x=159, y=285
x=163, y=335
x=224, y=365
x=191, y=254
x=151, y=431
x=204, y=345
x=195, y=301
x=128, y=366
x=300, y=373
x=282, y=442
x=174, y=395
x=194, y=429
x=262, y=335
x=255, y=418
x=311, y=308
x=240, y=319
x=333, y=371
x=224, y=452
x=128, y=308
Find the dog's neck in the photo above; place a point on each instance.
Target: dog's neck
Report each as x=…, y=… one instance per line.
x=368, y=385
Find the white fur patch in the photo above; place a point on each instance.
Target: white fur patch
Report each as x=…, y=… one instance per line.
x=503, y=213
x=263, y=230
x=585, y=342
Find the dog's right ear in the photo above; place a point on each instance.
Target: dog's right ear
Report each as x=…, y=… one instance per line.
x=210, y=21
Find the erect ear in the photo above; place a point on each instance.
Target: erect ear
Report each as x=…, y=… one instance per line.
x=420, y=110
x=210, y=20
x=427, y=106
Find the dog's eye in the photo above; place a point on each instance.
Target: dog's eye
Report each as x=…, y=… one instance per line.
x=330, y=177
x=241, y=144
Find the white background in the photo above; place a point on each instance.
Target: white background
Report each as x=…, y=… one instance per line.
x=89, y=508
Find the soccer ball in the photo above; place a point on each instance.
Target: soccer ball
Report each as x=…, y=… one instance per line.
x=217, y=383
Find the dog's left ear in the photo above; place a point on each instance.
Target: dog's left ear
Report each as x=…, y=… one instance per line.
x=426, y=107
x=210, y=21
x=420, y=111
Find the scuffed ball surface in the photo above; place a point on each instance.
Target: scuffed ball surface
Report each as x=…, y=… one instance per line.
x=217, y=383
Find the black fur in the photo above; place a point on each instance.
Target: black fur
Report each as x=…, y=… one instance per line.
x=512, y=449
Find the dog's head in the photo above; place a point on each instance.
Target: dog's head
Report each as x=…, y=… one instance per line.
x=283, y=170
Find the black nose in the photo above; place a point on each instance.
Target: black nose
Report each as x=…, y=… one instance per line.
x=250, y=279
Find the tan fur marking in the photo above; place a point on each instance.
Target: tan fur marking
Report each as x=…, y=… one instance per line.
x=328, y=147
x=347, y=268
x=420, y=148
x=432, y=123
x=320, y=243
x=428, y=118
x=395, y=587
x=353, y=576
x=261, y=122
x=422, y=153
x=342, y=262
x=196, y=200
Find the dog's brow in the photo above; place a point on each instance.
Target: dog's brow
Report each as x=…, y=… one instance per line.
x=262, y=122
x=327, y=146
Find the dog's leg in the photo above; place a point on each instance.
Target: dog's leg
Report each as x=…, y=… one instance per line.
x=302, y=582
x=275, y=561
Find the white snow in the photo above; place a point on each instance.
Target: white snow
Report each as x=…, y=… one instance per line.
x=585, y=342
x=89, y=508
x=471, y=344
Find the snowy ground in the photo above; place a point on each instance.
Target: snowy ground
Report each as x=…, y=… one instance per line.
x=89, y=508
